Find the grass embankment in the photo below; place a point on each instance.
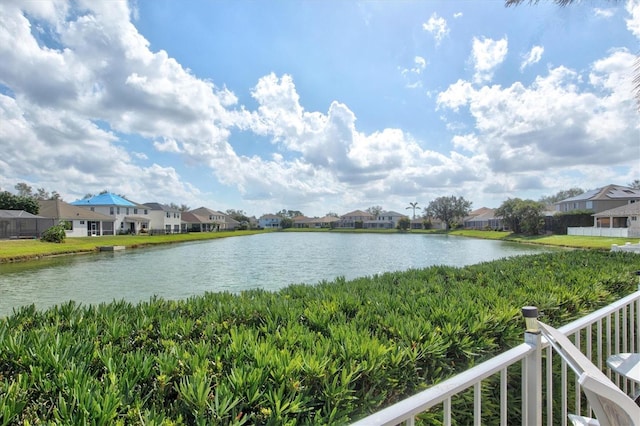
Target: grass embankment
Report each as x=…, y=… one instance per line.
x=305, y=355
x=14, y=250
x=575, y=241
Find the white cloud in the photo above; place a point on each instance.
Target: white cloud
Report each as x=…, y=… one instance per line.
x=487, y=54
x=412, y=75
x=532, y=57
x=457, y=15
x=633, y=22
x=553, y=123
x=437, y=26
x=604, y=13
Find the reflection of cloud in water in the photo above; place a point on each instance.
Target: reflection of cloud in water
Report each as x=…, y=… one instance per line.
x=267, y=261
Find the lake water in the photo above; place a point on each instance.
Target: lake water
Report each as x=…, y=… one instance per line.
x=268, y=261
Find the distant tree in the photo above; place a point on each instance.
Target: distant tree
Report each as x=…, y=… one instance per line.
x=448, y=209
x=237, y=215
x=8, y=201
x=289, y=213
x=374, y=210
x=561, y=195
x=635, y=184
x=332, y=214
x=55, y=196
x=286, y=222
x=522, y=216
x=24, y=190
x=413, y=206
x=87, y=196
x=404, y=223
x=184, y=208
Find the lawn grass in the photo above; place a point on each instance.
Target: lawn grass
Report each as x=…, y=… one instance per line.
x=15, y=250
x=575, y=241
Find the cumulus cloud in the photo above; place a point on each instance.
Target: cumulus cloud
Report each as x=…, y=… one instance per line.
x=437, y=26
x=486, y=55
x=604, y=13
x=633, y=22
x=532, y=57
x=553, y=123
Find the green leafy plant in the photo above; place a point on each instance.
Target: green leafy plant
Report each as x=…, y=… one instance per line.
x=55, y=234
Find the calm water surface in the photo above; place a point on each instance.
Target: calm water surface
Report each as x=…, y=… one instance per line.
x=268, y=261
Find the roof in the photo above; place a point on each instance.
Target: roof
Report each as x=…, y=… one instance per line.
x=270, y=216
x=58, y=209
x=391, y=213
x=163, y=207
x=357, y=213
x=609, y=192
x=206, y=211
x=17, y=214
x=106, y=199
x=190, y=217
x=632, y=209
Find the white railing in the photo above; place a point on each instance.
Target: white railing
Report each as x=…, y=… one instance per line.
x=612, y=329
x=593, y=231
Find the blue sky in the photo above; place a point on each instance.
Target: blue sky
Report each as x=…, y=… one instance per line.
x=317, y=106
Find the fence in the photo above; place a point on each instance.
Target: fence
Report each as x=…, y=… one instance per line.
x=610, y=330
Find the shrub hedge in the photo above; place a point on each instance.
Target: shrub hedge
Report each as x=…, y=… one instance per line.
x=324, y=354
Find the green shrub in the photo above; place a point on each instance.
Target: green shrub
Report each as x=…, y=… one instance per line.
x=55, y=234
x=305, y=355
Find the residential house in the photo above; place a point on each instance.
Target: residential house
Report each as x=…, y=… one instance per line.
x=483, y=218
x=215, y=220
x=22, y=224
x=129, y=217
x=79, y=222
x=193, y=223
x=314, y=222
x=164, y=219
x=269, y=221
x=601, y=199
x=627, y=216
x=354, y=219
x=384, y=220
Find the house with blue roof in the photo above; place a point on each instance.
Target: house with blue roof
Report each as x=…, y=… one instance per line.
x=129, y=217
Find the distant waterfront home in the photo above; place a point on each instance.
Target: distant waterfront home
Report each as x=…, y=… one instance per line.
x=21, y=224
x=163, y=218
x=384, y=220
x=354, y=219
x=601, y=199
x=129, y=217
x=78, y=222
x=269, y=221
x=314, y=222
x=483, y=218
x=627, y=216
x=218, y=219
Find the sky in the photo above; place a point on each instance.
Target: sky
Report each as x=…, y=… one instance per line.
x=317, y=106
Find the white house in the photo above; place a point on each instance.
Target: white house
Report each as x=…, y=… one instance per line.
x=384, y=220
x=269, y=221
x=164, y=218
x=129, y=217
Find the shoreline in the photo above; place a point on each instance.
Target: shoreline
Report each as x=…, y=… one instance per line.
x=12, y=251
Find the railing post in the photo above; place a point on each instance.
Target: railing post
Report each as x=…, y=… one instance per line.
x=532, y=371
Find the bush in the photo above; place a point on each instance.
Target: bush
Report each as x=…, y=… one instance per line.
x=55, y=234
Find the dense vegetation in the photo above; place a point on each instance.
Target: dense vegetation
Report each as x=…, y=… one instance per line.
x=324, y=354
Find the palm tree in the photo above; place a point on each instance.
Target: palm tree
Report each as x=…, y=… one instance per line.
x=636, y=64
x=413, y=206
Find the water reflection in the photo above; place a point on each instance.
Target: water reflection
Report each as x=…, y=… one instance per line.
x=268, y=261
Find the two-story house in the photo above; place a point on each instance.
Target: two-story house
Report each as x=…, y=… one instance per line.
x=164, y=218
x=269, y=221
x=384, y=220
x=354, y=219
x=601, y=199
x=129, y=217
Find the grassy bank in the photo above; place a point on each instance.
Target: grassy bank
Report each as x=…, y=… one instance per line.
x=15, y=250
x=324, y=354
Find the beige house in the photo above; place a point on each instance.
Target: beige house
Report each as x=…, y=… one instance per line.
x=354, y=219
x=79, y=221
